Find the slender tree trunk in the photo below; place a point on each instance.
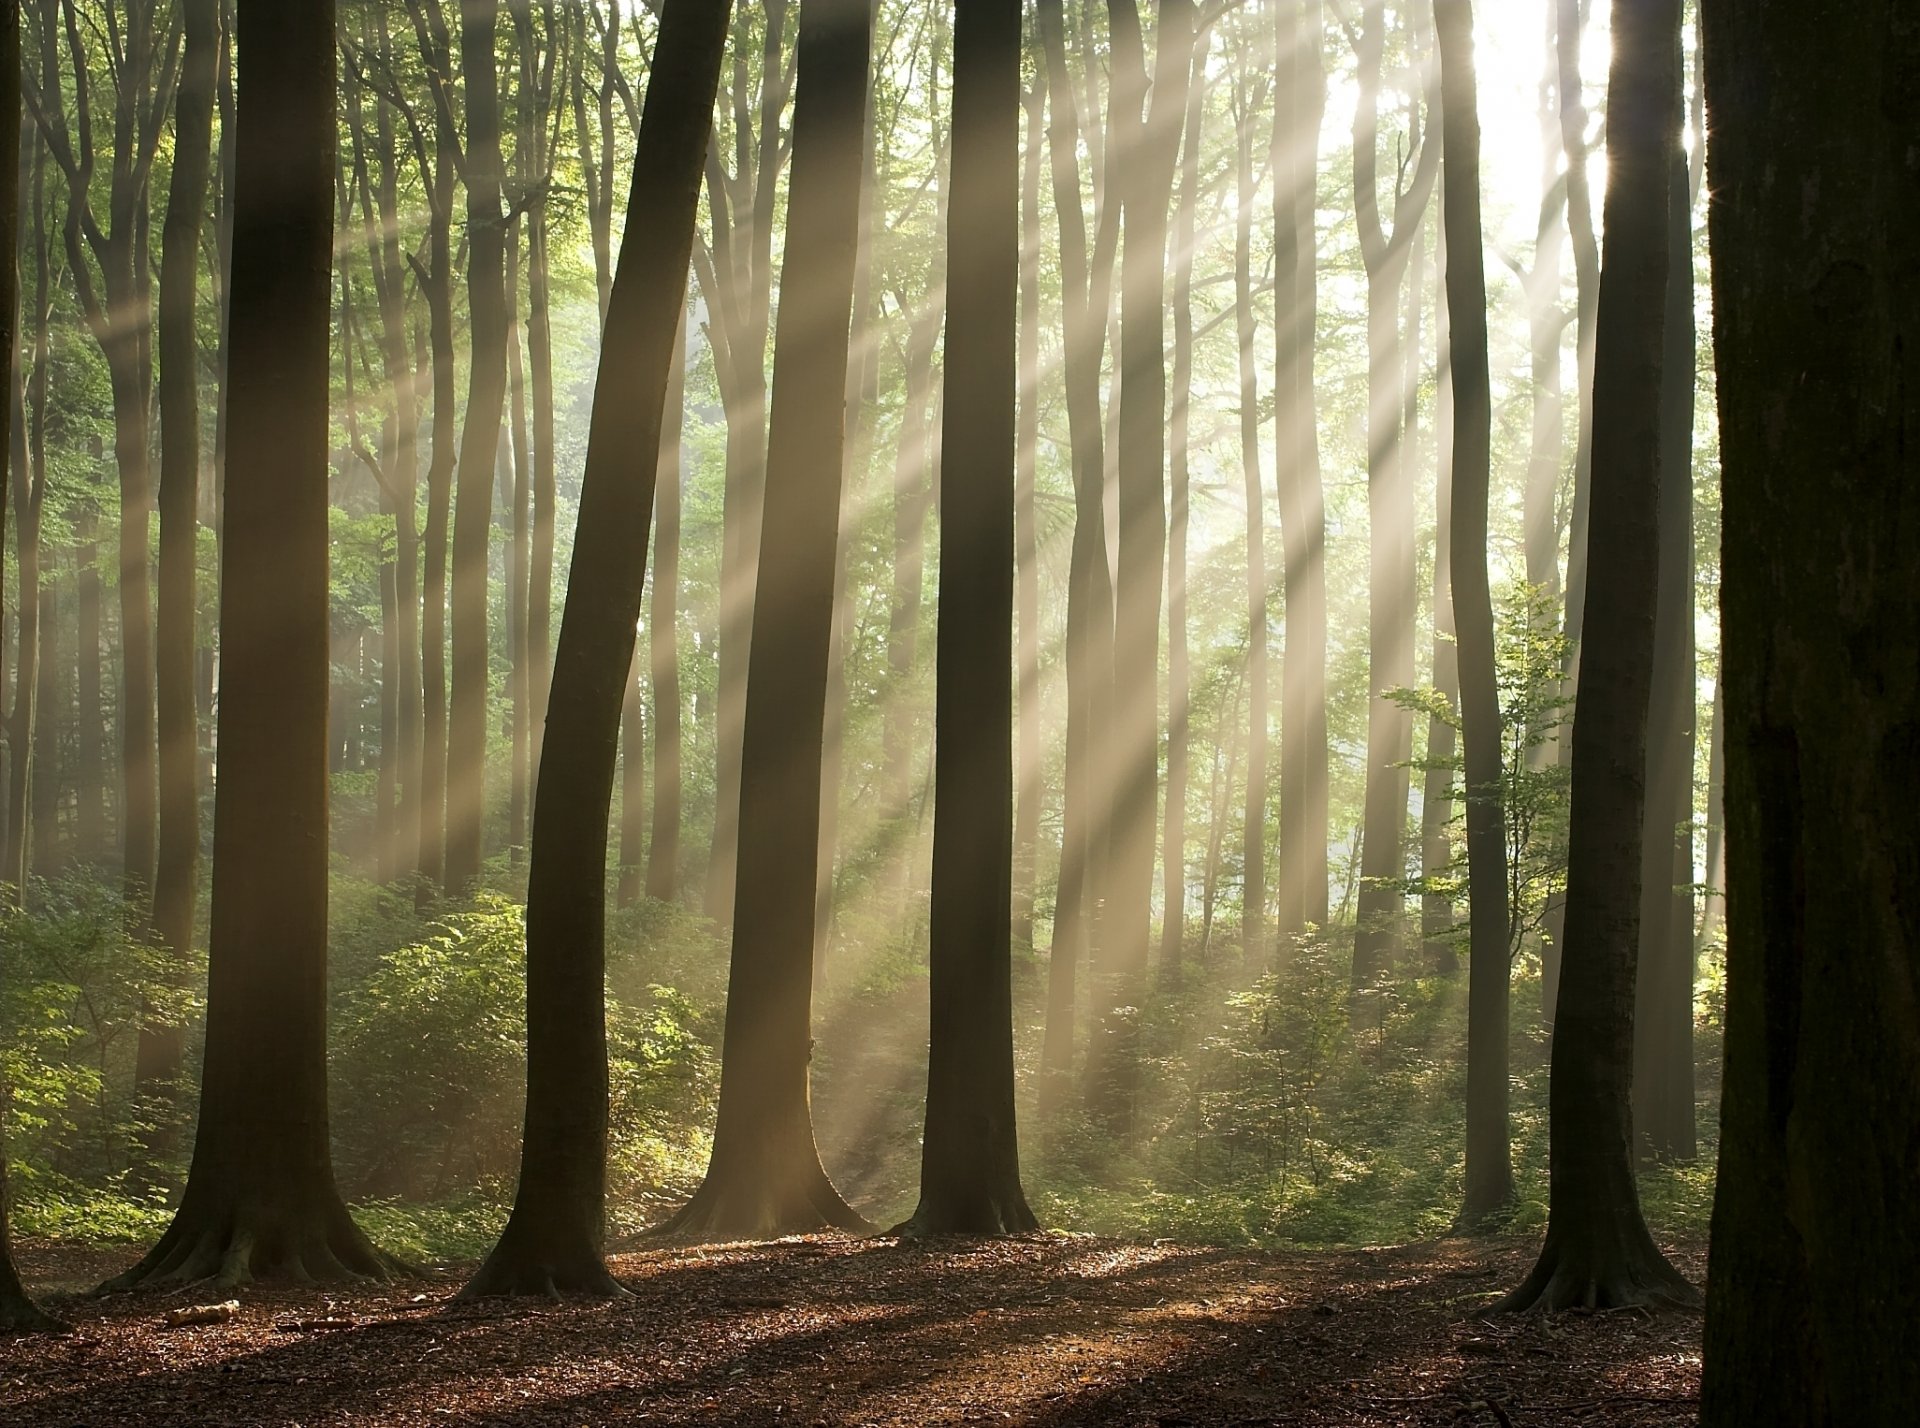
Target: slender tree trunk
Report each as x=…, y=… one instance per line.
x=1436, y=806
x=32, y=773
x=1028, y=785
x=1253, y=899
x=90, y=728
x=162, y=1048
x=438, y=285
x=552, y=1242
x=479, y=440
x=765, y=1176
x=970, y=1163
x=633, y=789
x=663, y=848
x=519, y=555
x=260, y=1200
x=1663, y=1109
x=1173, y=931
x=1301, y=97
x=1598, y=1254
x=1489, y=1168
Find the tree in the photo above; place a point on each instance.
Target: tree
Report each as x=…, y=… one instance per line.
x=479, y=442
x=260, y=1200
x=663, y=638
x=970, y=1161
x=17, y=1311
x=162, y=1047
x=1598, y=1253
x=1489, y=1172
x=1814, y=1272
x=1300, y=89
x=552, y=1241
x=1392, y=576
x=765, y=1176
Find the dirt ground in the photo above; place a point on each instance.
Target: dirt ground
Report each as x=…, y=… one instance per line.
x=1049, y=1331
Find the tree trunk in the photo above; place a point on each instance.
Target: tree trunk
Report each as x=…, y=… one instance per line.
x=1253, y=899
x=1489, y=1164
x=260, y=1200
x=1815, y=1266
x=1301, y=98
x=479, y=441
x=1173, y=929
x=519, y=556
x=1029, y=786
x=633, y=789
x=552, y=1242
x=1436, y=804
x=970, y=1163
x=765, y=1177
x=663, y=848
x=1392, y=596
x=1089, y=634
x=162, y=1048
x=1598, y=1254
x=1663, y=1109
x=437, y=283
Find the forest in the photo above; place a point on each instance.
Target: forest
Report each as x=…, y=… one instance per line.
x=1048, y=711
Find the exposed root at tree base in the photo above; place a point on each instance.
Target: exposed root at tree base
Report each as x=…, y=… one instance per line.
x=20, y=1315
x=1560, y=1282
x=245, y=1247
x=979, y=1220
x=720, y=1212
x=517, y=1269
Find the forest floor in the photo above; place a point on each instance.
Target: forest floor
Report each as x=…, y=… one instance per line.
x=1046, y=1331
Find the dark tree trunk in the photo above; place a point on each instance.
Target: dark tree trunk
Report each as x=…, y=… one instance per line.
x=1300, y=101
x=519, y=548
x=765, y=1176
x=1814, y=1276
x=663, y=637
x=1253, y=898
x=1663, y=1109
x=552, y=1242
x=1392, y=595
x=90, y=716
x=970, y=1161
x=17, y=1311
x=162, y=1048
x=1489, y=1162
x=1569, y=29
x=260, y=1200
x=1598, y=1254
x=479, y=441
x=1089, y=634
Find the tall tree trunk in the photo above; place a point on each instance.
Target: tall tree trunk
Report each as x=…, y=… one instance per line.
x=1301, y=98
x=633, y=789
x=1029, y=787
x=1253, y=899
x=479, y=440
x=1173, y=930
x=1598, y=1254
x=552, y=1241
x=1436, y=804
x=1089, y=634
x=1489, y=1162
x=162, y=1047
x=1663, y=1109
x=90, y=724
x=1815, y=1264
x=1392, y=597
x=765, y=1176
x=519, y=554
x=1151, y=140
x=260, y=1200
x=663, y=847
x=970, y=1161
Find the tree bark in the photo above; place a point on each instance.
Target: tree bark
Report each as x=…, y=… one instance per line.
x=1436, y=805
x=1301, y=98
x=1029, y=786
x=765, y=1177
x=1815, y=1264
x=1598, y=1254
x=663, y=636
x=552, y=1242
x=260, y=1200
x=1253, y=900
x=1489, y=1164
x=970, y=1164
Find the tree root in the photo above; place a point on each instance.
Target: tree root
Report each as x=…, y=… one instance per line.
x=246, y=1246
x=1631, y=1280
x=724, y=1211
x=985, y=1218
x=20, y=1315
x=543, y=1264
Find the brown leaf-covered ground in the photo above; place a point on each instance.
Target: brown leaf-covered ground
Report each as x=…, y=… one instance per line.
x=1046, y=1331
